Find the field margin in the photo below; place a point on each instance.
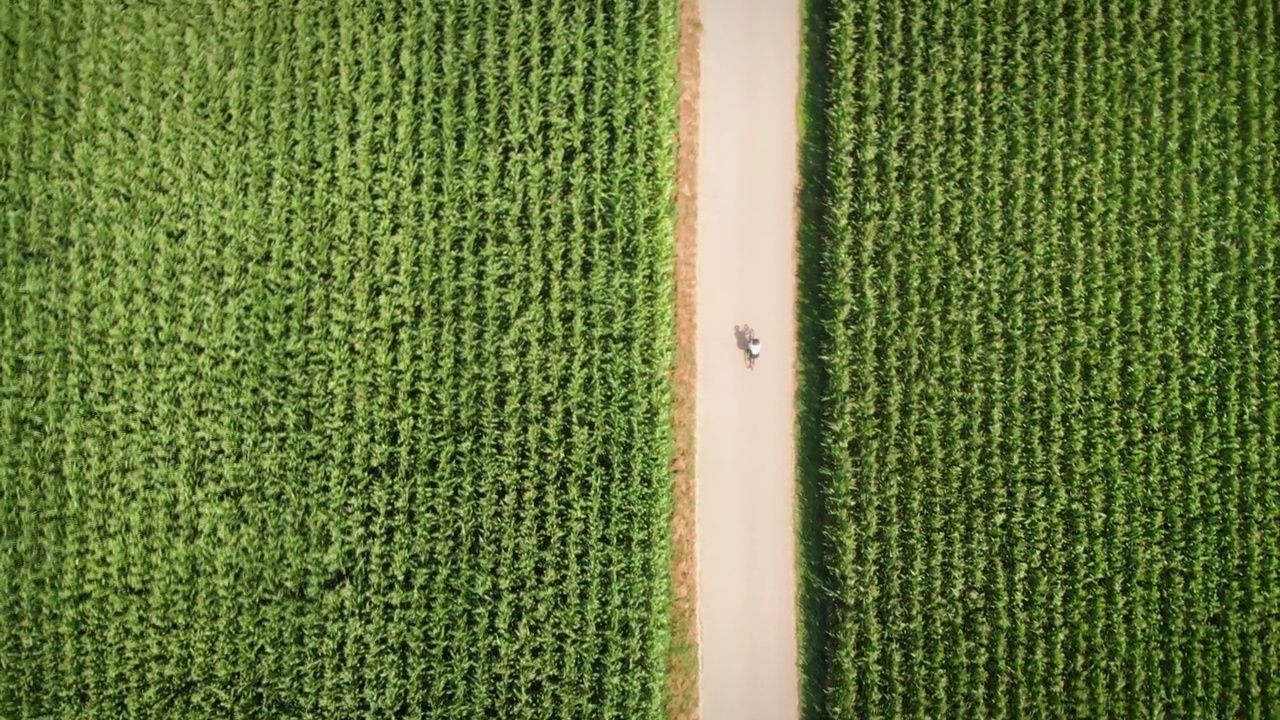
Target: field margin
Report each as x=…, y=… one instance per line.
x=811, y=380
x=683, y=701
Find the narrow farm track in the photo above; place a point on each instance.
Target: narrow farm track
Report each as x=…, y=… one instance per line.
x=745, y=461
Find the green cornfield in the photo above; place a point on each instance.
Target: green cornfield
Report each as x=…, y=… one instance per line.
x=1041, y=359
x=335, y=342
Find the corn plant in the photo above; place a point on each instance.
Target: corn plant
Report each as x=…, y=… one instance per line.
x=1043, y=370
x=333, y=377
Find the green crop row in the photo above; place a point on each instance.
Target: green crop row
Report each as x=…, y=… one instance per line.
x=334, y=358
x=1041, y=394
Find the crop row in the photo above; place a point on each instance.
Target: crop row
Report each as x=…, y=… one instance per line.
x=1044, y=378
x=333, y=368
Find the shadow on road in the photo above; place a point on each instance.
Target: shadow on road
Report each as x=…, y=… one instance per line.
x=742, y=333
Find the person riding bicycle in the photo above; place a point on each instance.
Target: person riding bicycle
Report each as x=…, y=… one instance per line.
x=753, y=347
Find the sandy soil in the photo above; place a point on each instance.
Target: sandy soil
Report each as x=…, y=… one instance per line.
x=747, y=176
x=682, y=663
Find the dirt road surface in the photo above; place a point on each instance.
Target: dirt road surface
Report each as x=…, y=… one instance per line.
x=747, y=173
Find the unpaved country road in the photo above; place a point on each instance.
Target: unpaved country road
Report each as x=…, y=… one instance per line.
x=747, y=174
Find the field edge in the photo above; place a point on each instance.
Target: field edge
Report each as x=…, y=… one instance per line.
x=683, y=701
x=811, y=620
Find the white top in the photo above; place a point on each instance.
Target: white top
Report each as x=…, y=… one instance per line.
x=755, y=348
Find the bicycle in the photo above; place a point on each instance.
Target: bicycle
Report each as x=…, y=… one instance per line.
x=751, y=347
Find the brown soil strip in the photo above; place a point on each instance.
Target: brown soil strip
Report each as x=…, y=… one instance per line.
x=682, y=669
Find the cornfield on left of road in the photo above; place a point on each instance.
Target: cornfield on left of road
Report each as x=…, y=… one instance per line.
x=334, y=353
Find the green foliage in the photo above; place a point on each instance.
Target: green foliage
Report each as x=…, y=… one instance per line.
x=333, y=358
x=1043, y=387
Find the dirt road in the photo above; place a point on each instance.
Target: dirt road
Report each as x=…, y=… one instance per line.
x=745, y=418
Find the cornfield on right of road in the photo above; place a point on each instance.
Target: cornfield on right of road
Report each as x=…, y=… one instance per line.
x=1041, y=361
